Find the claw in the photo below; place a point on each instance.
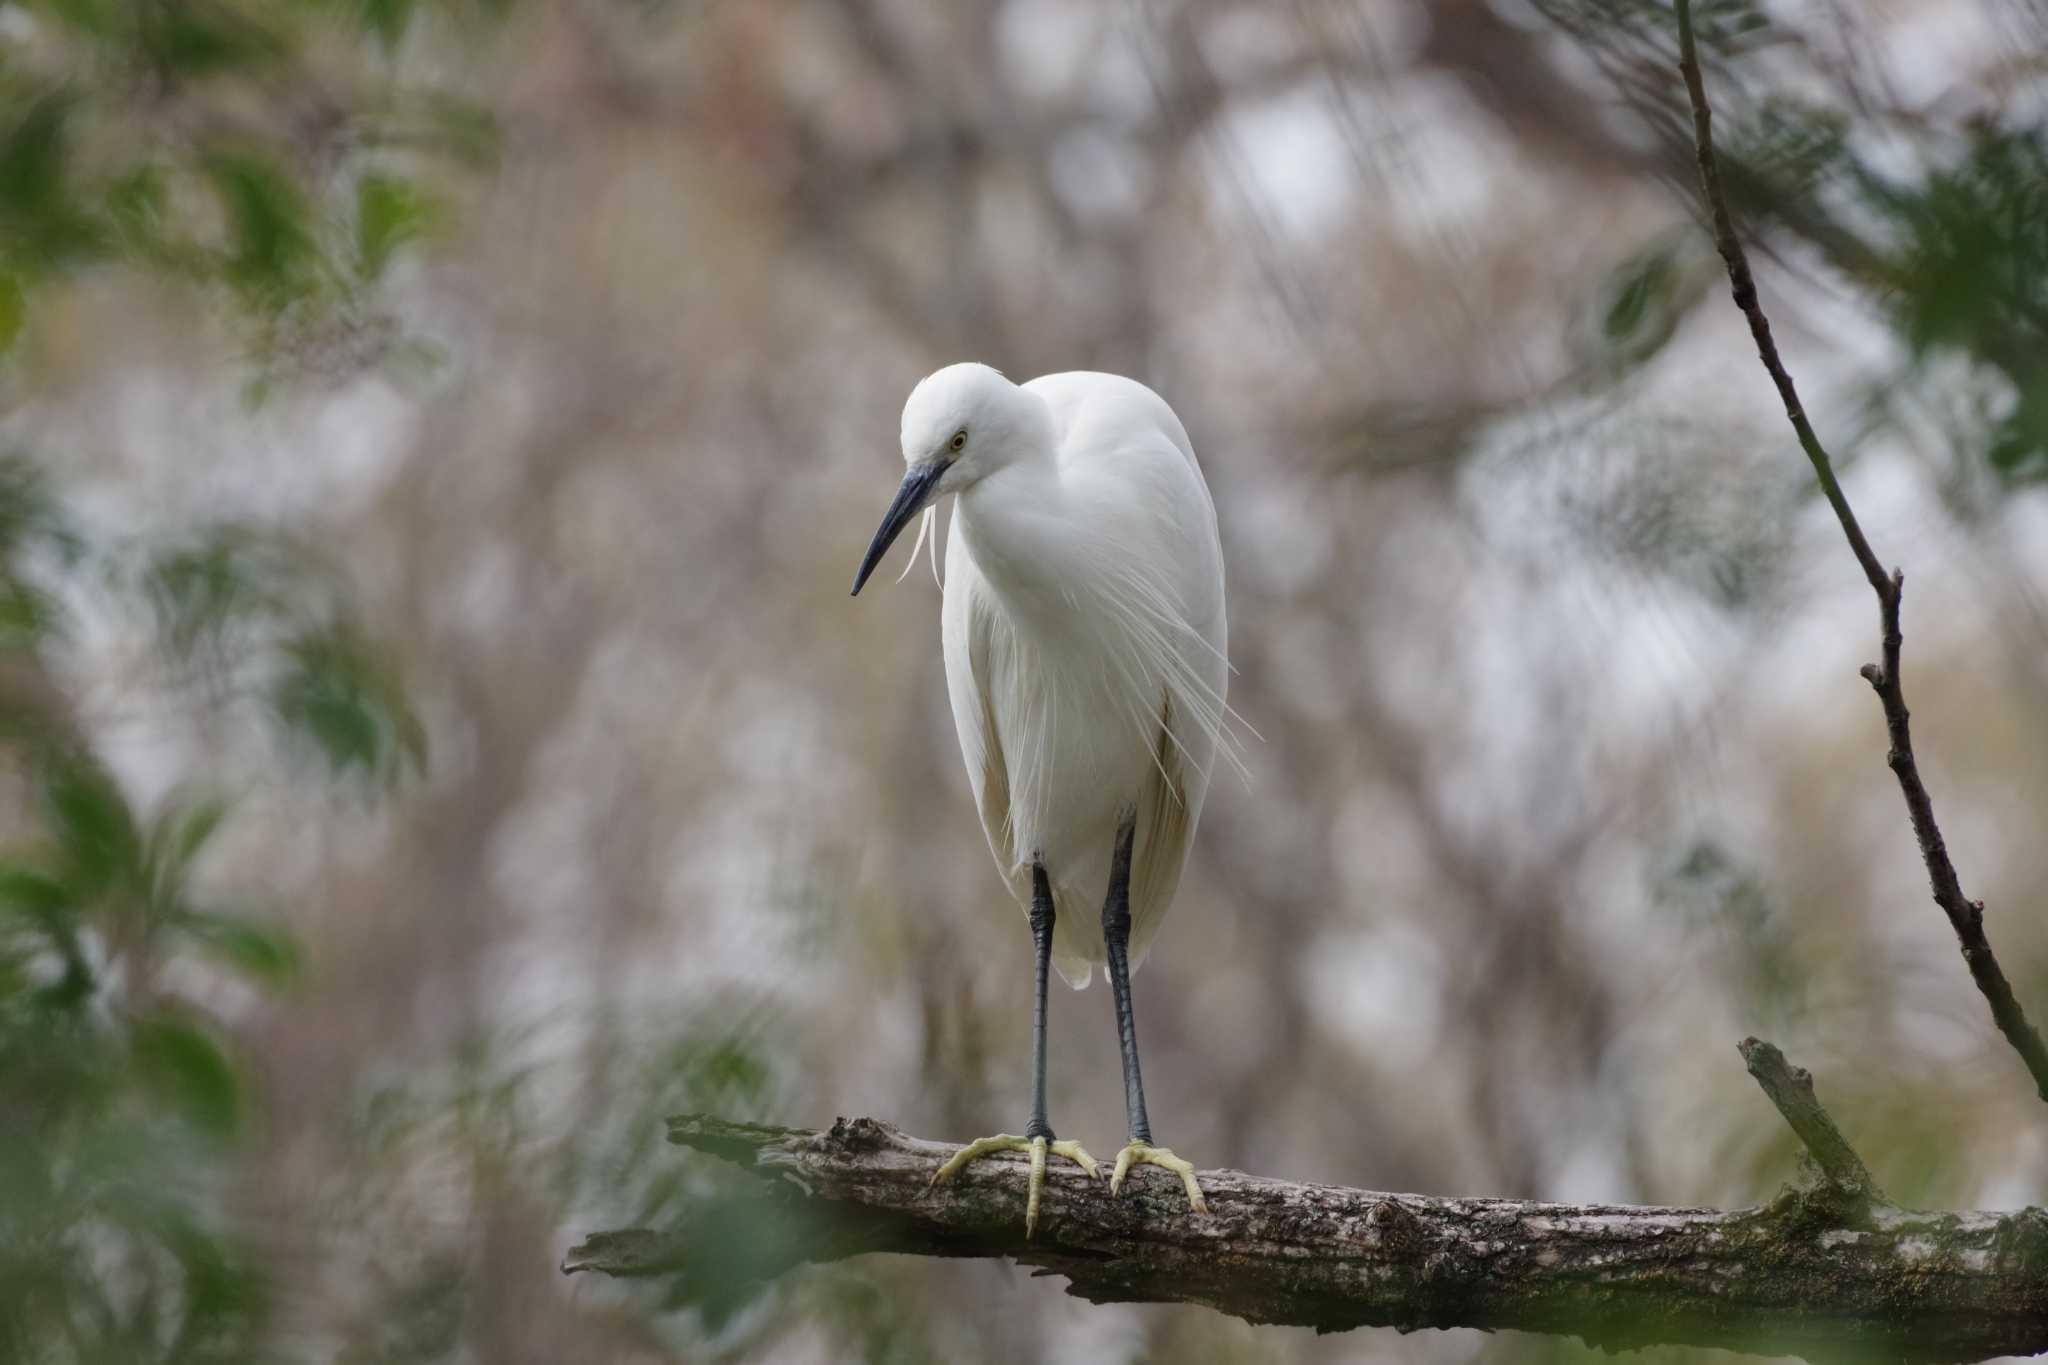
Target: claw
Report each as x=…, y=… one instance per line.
x=1037, y=1149
x=1145, y=1154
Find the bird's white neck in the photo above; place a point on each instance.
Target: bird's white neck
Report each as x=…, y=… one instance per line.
x=1018, y=528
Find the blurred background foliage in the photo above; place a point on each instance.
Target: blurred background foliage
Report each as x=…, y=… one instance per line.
x=437, y=744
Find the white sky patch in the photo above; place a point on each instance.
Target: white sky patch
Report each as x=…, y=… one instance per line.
x=1445, y=177
x=1382, y=987
x=1052, y=49
x=1046, y=44
x=192, y=453
x=1930, y=44
x=1283, y=159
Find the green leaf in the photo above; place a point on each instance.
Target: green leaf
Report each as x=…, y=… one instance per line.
x=101, y=18
x=92, y=823
x=200, y=589
x=266, y=953
x=196, y=824
x=341, y=694
x=224, y=1293
x=26, y=615
x=138, y=202
x=727, y=1072
x=33, y=154
x=13, y=309
x=1974, y=266
x=189, y=1070
x=2019, y=444
x=41, y=221
x=388, y=19
x=272, y=253
x=47, y=903
x=1649, y=283
x=195, y=41
x=28, y=513
x=36, y=892
x=389, y=213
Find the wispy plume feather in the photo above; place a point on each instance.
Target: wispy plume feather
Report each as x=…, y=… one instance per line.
x=927, y=525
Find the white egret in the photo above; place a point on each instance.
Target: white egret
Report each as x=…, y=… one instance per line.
x=1084, y=642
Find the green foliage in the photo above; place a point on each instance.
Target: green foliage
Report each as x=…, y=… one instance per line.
x=121, y=1093
x=184, y=1066
x=43, y=221
x=228, y=579
x=270, y=257
x=275, y=611
x=1650, y=278
x=1644, y=300
x=387, y=19
x=263, y=952
x=1973, y=255
x=97, y=845
x=1788, y=150
x=1970, y=274
x=389, y=213
x=28, y=513
x=13, y=309
x=114, y=1093
x=212, y=169
x=227, y=147
x=340, y=693
x=719, y=1072
x=1953, y=253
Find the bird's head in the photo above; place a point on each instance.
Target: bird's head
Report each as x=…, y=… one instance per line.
x=960, y=425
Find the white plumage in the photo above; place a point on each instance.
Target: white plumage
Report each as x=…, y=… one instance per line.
x=1085, y=642
x=1086, y=665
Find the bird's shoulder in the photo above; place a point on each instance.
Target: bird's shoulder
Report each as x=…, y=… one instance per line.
x=1128, y=460
x=1097, y=415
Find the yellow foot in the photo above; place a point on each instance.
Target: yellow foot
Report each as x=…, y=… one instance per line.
x=1038, y=1148
x=1145, y=1154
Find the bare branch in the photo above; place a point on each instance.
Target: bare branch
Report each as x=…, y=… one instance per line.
x=1965, y=916
x=1791, y=1089
x=1797, y=1275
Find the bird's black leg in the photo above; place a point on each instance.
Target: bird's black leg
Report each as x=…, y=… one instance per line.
x=1042, y=918
x=1038, y=1141
x=1116, y=942
x=1116, y=938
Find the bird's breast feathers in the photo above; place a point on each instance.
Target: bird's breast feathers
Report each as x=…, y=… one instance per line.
x=1071, y=716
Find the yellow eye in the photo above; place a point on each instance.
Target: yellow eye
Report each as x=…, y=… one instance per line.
x=959, y=441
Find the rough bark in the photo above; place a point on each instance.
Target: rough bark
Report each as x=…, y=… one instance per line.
x=1822, y=1273
x=1790, y=1088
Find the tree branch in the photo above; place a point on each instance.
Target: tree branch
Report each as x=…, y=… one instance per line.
x=1791, y=1089
x=1810, y=1272
x=1965, y=916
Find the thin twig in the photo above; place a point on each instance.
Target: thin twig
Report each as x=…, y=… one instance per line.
x=1965, y=916
x=1791, y=1089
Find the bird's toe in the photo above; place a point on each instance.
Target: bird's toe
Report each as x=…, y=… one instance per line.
x=1145, y=1154
x=1037, y=1149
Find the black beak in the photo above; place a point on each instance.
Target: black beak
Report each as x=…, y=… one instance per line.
x=910, y=500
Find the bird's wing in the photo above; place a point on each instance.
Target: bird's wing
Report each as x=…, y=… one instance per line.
x=1171, y=804
x=1166, y=825
x=1122, y=442
x=1086, y=397
x=1115, y=430
x=965, y=630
